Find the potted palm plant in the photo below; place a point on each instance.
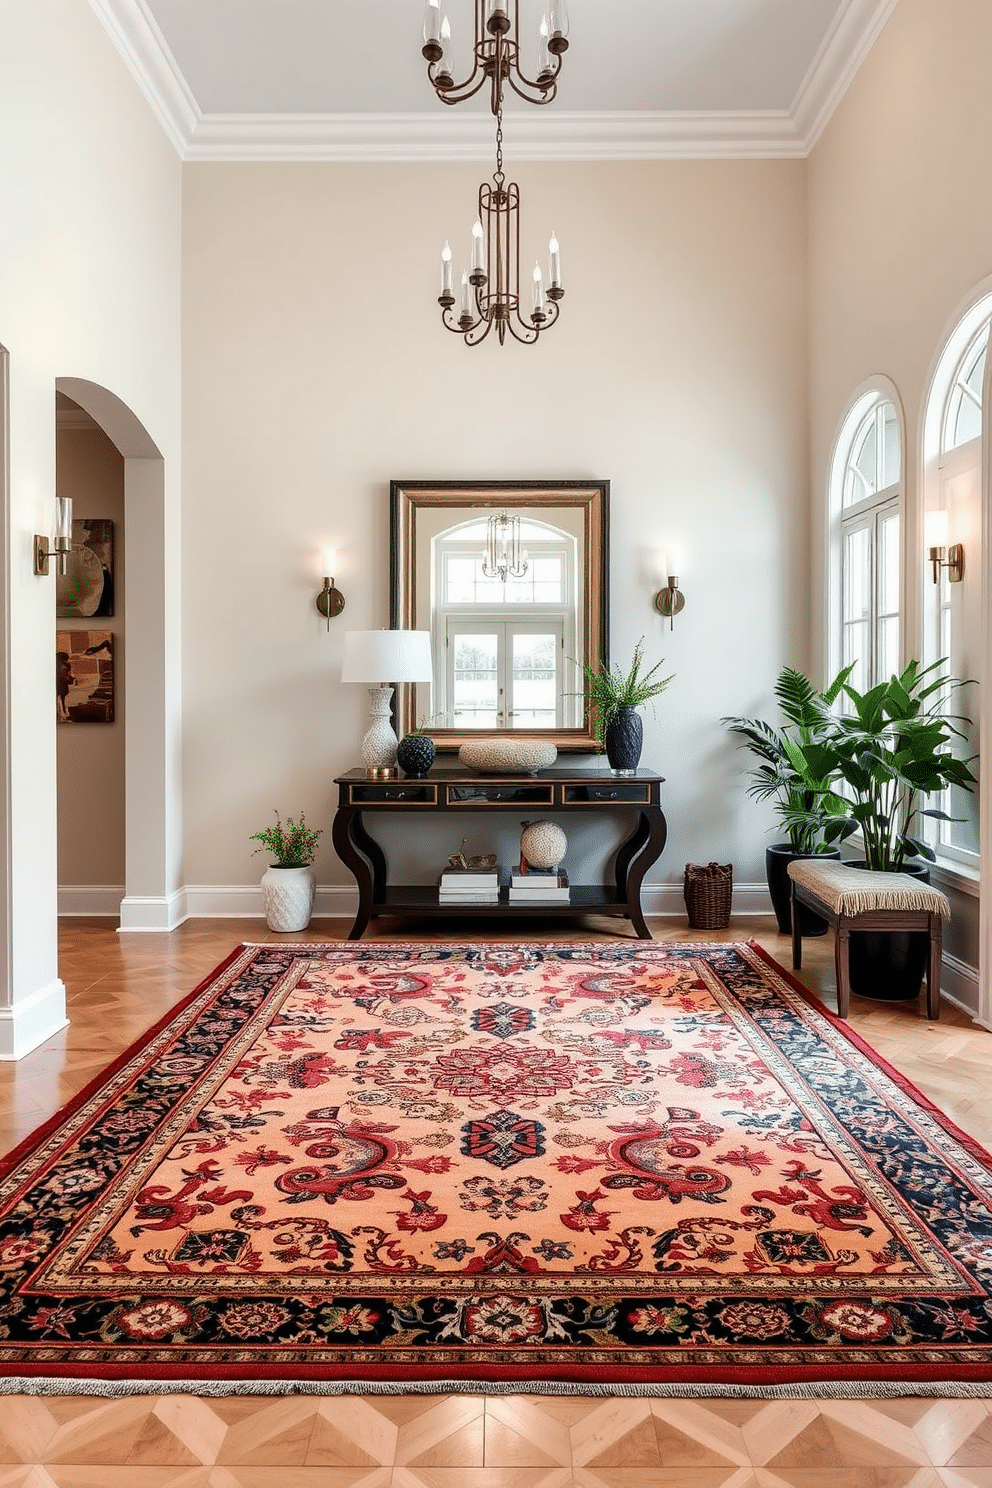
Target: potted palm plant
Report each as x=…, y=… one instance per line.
x=288, y=884
x=616, y=695
x=895, y=747
x=793, y=769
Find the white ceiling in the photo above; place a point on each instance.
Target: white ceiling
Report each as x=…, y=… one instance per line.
x=344, y=79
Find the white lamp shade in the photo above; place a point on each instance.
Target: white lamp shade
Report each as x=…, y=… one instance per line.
x=387, y=656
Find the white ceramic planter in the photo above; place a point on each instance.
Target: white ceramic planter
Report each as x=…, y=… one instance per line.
x=287, y=894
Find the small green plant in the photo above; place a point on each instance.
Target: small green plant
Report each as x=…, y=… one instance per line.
x=290, y=844
x=611, y=688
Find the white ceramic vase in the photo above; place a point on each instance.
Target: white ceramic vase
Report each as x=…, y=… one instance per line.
x=287, y=895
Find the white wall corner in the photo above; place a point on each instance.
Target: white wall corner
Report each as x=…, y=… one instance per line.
x=32, y=1020
x=132, y=28
x=149, y=912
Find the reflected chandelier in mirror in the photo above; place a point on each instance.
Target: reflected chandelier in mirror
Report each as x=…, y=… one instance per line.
x=511, y=579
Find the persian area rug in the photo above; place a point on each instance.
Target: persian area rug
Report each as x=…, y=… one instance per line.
x=639, y=1166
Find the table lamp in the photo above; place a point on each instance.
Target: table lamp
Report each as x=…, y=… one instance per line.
x=381, y=658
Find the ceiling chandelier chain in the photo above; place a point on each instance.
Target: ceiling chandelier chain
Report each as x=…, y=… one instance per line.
x=490, y=290
x=496, y=53
x=503, y=557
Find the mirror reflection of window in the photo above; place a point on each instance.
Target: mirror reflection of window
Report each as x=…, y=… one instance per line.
x=503, y=662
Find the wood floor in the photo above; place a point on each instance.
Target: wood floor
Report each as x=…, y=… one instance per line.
x=120, y=984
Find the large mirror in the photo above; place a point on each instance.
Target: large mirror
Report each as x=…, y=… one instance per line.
x=511, y=580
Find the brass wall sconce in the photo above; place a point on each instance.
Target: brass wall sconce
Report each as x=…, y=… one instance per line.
x=329, y=601
x=62, y=544
x=940, y=555
x=669, y=601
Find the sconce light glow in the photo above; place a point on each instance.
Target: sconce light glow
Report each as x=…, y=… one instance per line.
x=670, y=600
x=936, y=530
x=330, y=601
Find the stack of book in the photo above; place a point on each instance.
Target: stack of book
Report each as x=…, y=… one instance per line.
x=469, y=886
x=539, y=888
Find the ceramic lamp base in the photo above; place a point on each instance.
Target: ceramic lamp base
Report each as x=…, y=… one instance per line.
x=379, y=744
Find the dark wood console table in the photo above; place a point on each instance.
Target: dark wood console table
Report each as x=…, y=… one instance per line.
x=454, y=789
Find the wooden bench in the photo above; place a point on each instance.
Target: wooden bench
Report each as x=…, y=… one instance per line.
x=856, y=899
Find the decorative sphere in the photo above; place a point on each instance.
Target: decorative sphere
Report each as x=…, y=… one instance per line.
x=543, y=844
x=415, y=754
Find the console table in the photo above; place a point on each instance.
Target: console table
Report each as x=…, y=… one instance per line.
x=457, y=790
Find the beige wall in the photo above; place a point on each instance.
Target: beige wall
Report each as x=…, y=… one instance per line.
x=89, y=289
x=900, y=239
x=90, y=470
x=315, y=369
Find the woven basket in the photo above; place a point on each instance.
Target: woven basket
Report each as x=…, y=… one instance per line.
x=707, y=890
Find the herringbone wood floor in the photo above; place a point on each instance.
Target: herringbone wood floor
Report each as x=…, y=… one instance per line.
x=119, y=984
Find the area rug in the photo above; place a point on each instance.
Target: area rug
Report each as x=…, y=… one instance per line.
x=621, y=1166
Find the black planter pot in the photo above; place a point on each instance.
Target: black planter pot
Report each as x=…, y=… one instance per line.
x=777, y=860
x=623, y=737
x=415, y=754
x=889, y=965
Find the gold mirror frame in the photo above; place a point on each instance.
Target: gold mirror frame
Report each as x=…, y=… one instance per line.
x=591, y=498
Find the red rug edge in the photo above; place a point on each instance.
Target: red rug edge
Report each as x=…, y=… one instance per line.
x=40, y=1133
x=971, y=1145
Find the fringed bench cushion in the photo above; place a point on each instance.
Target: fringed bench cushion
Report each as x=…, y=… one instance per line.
x=857, y=891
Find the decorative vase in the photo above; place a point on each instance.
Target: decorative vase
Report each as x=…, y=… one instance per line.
x=415, y=754
x=623, y=737
x=287, y=895
x=889, y=965
x=543, y=844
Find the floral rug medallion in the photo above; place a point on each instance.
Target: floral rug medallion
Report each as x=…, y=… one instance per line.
x=612, y=1163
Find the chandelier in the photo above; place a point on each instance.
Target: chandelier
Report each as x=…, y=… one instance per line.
x=503, y=556
x=490, y=289
x=496, y=52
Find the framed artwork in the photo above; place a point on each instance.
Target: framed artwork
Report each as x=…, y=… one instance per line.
x=86, y=590
x=84, y=676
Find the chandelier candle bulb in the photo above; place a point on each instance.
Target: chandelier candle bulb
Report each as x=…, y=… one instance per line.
x=432, y=24
x=478, y=248
x=543, y=49
x=446, y=270
x=538, y=292
x=497, y=20
x=558, y=23
x=466, y=308
x=554, y=262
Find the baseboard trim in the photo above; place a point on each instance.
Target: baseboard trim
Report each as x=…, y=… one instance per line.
x=148, y=912
x=32, y=1020
x=959, y=984
x=90, y=899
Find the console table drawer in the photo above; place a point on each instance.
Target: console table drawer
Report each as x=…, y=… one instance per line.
x=388, y=793
x=532, y=793
x=606, y=795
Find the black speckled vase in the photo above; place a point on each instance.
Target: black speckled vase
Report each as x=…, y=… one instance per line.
x=415, y=754
x=623, y=737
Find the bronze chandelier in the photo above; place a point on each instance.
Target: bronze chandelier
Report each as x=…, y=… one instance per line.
x=496, y=52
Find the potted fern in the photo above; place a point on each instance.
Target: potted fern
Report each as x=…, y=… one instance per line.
x=616, y=695
x=794, y=770
x=288, y=884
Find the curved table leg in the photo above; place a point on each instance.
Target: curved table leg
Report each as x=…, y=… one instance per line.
x=639, y=853
x=347, y=834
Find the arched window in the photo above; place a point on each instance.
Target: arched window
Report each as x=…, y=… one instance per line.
x=866, y=491
x=952, y=503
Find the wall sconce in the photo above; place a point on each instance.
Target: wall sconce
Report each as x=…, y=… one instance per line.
x=330, y=601
x=62, y=545
x=670, y=601
x=936, y=529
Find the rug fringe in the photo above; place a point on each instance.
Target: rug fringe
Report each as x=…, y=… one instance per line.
x=813, y=1390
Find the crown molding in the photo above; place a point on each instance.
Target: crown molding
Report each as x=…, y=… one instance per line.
x=146, y=55
x=855, y=30
x=400, y=138
x=549, y=136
